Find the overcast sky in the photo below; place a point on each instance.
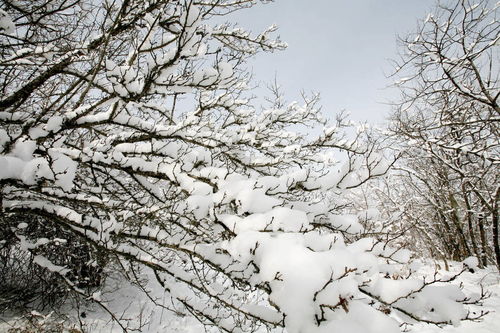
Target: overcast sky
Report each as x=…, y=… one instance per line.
x=339, y=48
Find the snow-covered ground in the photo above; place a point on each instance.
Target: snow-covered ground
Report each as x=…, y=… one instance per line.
x=130, y=303
x=489, y=279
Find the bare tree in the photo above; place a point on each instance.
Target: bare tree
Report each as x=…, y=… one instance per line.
x=449, y=119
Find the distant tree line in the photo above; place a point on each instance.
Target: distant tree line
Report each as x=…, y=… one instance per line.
x=446, y=130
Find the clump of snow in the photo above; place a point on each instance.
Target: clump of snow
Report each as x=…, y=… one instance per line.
x=44, y=262
x=54, y=124
x=471, y=262
x=360, y=318
x=255, y=201
x=346, y=222
x=64, y=169
x=24, y=149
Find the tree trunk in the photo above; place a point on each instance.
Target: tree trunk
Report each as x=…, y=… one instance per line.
x=458, y=225
x=494, y=220
x=484, y=242
x=470, y=225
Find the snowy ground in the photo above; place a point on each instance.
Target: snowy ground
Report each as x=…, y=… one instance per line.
x=134, y=306
x=490, y=280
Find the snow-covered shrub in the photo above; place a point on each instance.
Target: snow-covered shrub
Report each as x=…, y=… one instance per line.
x=128, y=124
x=24, y=284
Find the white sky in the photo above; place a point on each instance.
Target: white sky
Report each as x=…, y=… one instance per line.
x=339, y=48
